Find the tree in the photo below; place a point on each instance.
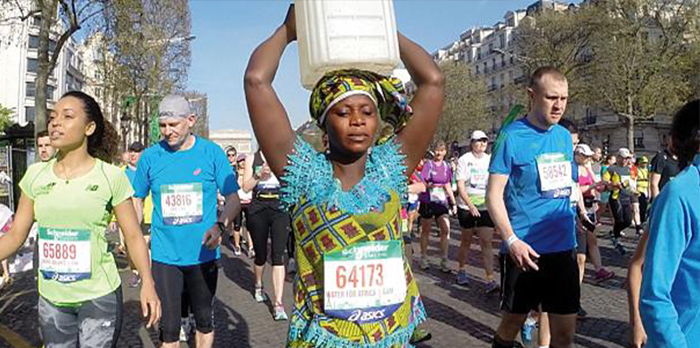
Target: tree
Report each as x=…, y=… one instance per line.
x=562, y=40
x=64, y=18
x=465, y=103
x=631, y=57
x=148, y=55
x=5, y=117
x=643, y=65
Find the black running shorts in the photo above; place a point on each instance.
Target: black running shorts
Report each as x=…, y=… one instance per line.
x=555, y=286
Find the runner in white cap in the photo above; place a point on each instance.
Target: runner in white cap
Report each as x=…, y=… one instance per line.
x=472, y=177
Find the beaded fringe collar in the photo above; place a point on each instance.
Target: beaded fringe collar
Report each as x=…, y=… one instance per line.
x=309, y=174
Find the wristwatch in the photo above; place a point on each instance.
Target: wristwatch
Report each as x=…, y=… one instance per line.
x=222, y=227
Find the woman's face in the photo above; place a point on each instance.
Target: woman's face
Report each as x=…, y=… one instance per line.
x=479, y=146
x=351, y=125
x=440, y=153
x=581, y=159
x=69, y=126
x=232, y=156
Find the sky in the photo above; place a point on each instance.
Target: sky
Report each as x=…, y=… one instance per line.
x=227, y=32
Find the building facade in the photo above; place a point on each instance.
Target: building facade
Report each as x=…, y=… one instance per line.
x=19, y=44
x=491, y=54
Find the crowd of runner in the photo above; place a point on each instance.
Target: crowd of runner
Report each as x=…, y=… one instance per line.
x=347, y=218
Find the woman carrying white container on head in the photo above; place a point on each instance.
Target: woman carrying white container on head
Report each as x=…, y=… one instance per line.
x=354, y=287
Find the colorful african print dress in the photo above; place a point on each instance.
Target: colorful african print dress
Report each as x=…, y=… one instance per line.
x=354, y=287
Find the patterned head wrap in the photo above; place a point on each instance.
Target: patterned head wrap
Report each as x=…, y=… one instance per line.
x=385, y=92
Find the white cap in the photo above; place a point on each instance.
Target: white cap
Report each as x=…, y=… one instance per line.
x=624, y=152
x=478, y=135
x=584, y=150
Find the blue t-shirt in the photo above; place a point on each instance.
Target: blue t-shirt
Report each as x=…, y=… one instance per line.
x=540, y=215
x=670, y=292
x=184, y=187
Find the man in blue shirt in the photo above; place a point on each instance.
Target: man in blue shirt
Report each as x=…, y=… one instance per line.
x=530, y=182
x=184, y=173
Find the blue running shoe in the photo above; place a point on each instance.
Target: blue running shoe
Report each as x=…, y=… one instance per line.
x=526, y=332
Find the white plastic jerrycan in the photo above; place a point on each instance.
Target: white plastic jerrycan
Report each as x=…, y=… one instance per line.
x=340, y=34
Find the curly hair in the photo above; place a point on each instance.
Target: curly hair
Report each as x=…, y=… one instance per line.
x=685, y=132
x=104, y=142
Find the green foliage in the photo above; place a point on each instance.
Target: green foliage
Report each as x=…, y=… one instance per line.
x=465, y=103
x=632, y=57
x=5, y=117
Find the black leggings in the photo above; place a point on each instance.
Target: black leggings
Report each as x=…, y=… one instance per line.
x=265, y=219
x=238, y=220
x=622, y=212
x=643, y=205
x=198, y=282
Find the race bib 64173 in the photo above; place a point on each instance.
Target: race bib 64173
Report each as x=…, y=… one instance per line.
x=365, y=282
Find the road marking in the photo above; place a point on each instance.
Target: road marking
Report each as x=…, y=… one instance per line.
x=14, y=339
x=145, y=338
x=9, y=298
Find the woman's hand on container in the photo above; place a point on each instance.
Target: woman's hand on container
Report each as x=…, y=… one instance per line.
x=290, y=24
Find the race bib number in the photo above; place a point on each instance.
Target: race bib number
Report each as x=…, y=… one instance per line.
x=64, y=254
x=182, y=203
x=628, y=183
x=554, y=171
x=364, y=283
x=478, y=178
x=438, y=195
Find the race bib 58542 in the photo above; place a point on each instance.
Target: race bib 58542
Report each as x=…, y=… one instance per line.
x=554, y=171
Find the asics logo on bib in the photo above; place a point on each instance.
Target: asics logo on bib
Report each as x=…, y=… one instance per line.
x=359, y=315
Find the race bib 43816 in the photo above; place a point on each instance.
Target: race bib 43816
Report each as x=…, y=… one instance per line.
x=554, y=171
x=365, y=282
x=181, y=204
x=64, y=254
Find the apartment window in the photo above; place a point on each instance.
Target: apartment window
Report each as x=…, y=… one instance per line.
x=31, y=89
x=36, y=21
x=490, y=48
x=32, y=65
x=477, y=69
x=29, y=113
x=503, y=61
x=486, y=68
x=50, y=92
x=493, y=63
x=478, y=53
x=33, y=41
x=502, y=39
x=512, y=58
